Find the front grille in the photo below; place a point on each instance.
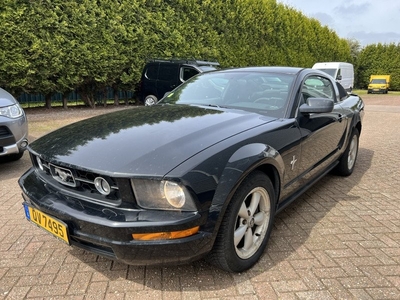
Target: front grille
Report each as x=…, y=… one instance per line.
x=6, y=138
x=78, y=181
x=4, y=131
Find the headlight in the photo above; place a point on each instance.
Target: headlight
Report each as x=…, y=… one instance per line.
x=167, y=195
x=13, y=111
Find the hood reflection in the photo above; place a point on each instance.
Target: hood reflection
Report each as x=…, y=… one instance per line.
x=65, y=140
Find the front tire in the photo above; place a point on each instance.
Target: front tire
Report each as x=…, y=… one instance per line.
x=246, y=225
x=349, y=157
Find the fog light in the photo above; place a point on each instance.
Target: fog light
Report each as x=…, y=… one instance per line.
x=102, y=186
x=165, y=235
x=24, y=144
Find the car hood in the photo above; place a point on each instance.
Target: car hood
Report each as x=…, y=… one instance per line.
x=144, y=141
x=6, y=99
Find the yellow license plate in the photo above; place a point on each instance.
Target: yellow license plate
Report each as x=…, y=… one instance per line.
x=55, y=227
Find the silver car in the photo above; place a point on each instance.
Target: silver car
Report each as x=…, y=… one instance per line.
x=13, y=128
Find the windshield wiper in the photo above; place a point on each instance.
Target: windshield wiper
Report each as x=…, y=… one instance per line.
x=209, y=105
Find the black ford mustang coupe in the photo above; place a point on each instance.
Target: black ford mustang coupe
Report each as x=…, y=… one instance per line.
x=201, y=173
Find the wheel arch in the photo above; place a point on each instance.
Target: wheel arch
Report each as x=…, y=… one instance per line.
x=272, y=172
x=358, y=126
x=254, y=157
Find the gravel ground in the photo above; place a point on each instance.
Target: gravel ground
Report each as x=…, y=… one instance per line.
x=42, y=120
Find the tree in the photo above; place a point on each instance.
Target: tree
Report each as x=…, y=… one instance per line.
x=379, y=59
x=51, y=46
x=355, y=49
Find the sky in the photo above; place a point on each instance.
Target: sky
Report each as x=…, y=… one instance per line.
x=367, y=21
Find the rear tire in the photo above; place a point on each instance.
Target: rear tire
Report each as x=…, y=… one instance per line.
x=150, y=100
x=246, y=225
x=349, y=157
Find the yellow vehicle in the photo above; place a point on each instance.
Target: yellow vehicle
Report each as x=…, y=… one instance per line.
x=379, y=84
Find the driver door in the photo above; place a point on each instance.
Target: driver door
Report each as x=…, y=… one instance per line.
x=322, y=133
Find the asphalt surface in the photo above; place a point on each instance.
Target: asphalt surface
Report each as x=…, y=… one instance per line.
x=338, y=241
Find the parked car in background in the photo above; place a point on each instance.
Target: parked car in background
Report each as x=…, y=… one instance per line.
x=342, y=72
x=161, y=76
x=13, y=127
x=379, y=84
x=200, y=174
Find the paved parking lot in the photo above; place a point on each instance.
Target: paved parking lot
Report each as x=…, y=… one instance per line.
x=341, y=240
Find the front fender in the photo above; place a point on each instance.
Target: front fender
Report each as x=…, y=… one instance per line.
x=242, y=162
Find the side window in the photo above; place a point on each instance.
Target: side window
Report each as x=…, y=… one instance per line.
x=187, y=72
x=166, y=72
x=151, y=72
x=317, y=87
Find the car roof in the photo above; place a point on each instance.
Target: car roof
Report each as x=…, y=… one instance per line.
x=273, y=69
x=189, y=62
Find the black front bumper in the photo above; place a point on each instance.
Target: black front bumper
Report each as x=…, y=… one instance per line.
x=107, y=231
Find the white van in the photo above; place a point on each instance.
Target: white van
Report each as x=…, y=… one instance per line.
x=341, y=71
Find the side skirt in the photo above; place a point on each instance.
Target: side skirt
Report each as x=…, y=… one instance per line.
x=283, y=204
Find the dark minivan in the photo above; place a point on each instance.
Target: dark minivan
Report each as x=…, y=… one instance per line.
x=160, y=76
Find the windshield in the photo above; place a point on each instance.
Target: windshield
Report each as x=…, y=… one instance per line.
x=379, y=81
x=331, y=72
x=261, y=92
x=207, y=68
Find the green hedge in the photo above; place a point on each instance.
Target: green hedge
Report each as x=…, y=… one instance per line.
x=59, y=46
x=379, y=59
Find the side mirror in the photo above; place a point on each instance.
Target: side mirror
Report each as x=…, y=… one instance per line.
x=339, y=77
x=317, y=105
